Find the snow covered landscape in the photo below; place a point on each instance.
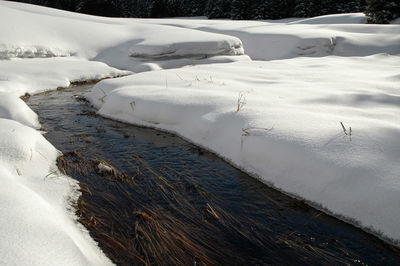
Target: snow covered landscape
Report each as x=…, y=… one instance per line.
x=308, y=106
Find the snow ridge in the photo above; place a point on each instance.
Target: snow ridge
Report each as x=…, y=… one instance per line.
x=8, y=52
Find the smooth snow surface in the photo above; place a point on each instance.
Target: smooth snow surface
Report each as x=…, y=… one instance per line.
x=279, y=120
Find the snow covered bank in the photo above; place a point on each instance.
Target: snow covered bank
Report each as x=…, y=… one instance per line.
x=341, y=35
x=280, y=120
x=37, y=32
x=43, y=49
x=12, y=107
x=20, y=76
x=35, y=227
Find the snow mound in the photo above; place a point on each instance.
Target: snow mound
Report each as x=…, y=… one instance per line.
x=351, y=18
x=187, y=49
x=35, y=226
x=43, y=34
x=341, y=35
x=31, y=52
x=12, y=107
x=20, y=76
x=281, y=120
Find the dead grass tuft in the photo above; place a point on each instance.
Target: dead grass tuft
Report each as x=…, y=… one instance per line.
x=25, y=97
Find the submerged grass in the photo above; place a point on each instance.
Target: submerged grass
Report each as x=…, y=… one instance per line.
x=143, y=235
x=164, y=218
x=150, y=212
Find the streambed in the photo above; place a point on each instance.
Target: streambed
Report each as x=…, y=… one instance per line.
x=170, y=202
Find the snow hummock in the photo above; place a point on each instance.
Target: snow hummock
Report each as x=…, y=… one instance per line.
x=288, y=128
x=14, y=108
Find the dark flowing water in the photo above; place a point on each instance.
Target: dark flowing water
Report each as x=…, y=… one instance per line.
x=170, y=202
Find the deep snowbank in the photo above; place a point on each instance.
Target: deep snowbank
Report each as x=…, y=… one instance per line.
x=34, y=32
x=18, y=77
x=35, y=227
x=341, y=35
x=288, y=129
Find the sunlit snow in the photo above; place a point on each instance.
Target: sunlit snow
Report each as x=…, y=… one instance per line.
x=309, y=106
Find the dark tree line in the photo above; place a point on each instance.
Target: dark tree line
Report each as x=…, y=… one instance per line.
x=381, y=11
x=378, y=11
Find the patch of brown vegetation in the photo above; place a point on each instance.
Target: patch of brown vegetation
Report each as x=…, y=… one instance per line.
x=25, y=97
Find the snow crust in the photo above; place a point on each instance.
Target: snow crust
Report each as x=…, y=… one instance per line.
x=287, y=130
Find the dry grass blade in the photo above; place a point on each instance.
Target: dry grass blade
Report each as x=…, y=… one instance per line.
x=211, y=211
x=241, y=101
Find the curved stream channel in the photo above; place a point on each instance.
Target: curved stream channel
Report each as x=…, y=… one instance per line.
x=170, y=202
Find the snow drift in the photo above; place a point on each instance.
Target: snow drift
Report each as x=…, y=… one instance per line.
x=341, y=35
x=55, y=33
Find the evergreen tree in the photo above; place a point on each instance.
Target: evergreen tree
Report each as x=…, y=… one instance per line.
x=381, y=11
x=242, y=9
x=195, y=7
x=98, y=7
x=327, y=7
x=143, y=9
x=125, y=8
x=218, y=9
x=263, y=10
x=305, y=8
x=345, y=6
x=273, y=9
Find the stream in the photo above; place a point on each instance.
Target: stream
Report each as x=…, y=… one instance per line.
x=168, y=202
